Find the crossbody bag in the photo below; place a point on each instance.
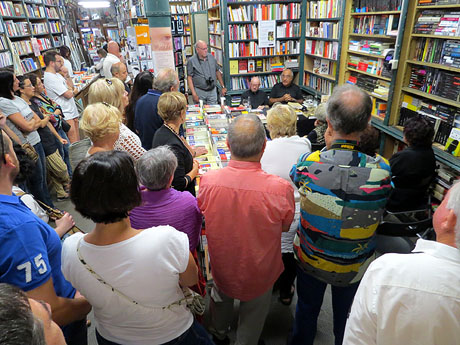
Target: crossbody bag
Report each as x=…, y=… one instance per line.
x=192, y=300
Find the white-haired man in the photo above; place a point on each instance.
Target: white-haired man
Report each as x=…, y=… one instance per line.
x=202, y=75
x=413, y=298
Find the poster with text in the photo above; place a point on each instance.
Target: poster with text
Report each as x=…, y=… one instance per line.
x=162, y=49
x=267, y=31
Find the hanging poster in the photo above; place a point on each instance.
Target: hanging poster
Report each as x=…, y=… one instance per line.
x=267, y=30
x=162, y=49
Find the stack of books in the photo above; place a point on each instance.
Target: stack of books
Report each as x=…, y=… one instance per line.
x=437, y=22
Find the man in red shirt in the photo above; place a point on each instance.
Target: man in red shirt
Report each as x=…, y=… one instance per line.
x=246, y=210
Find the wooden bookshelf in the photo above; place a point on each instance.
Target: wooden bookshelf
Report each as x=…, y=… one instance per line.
x=239, y=40
x=412, y=57
x=37, y=18
x=370, y=30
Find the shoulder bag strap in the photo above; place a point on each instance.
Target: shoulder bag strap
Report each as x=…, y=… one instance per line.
x=118, y=292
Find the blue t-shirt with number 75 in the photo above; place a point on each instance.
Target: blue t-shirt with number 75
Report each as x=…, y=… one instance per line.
x=30, y=250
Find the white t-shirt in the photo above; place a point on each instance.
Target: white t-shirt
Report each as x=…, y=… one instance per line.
x=279, y=156
x=145, y=268
x=18, y=105
x=68, y=65
x=31, y=203
x=110, y=59
x=56, y=86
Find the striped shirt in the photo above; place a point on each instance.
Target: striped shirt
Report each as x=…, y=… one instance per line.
x=342, y=196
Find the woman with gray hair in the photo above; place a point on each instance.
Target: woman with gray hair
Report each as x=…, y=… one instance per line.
x=161, y=204
x=281, y=153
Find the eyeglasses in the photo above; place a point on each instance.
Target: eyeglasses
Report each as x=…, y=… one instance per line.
x=2, y=145
x=108, y=81
x=106, y=104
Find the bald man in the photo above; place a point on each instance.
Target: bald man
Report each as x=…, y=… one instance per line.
x=256, y=98
x=267, y=202
x=202, y=74
x=111, y=58
x=286, y=91
x=120, y=71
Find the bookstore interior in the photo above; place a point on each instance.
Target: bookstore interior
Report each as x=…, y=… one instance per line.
x=405, y=54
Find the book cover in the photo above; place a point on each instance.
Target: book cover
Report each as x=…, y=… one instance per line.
x=243, y=66
x=259, y=65
x=251, y=66
x=233, y=66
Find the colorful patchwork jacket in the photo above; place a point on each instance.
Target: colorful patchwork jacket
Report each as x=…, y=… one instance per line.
x=343, y=194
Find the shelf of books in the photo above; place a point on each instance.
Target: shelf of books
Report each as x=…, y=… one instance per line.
x=368, y=38
x=28, y=24
x=182, y=45
x=265, y=52
x=216, y=34
x=323, y=34
x=428, y=81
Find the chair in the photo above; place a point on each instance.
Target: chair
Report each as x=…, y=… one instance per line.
x=397, y=231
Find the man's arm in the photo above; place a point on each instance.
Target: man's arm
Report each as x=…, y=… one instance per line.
x=290, y=209
x=195, y=97
x=68, y=94
x=221, y=81
x=64, y=310
x=285, y=98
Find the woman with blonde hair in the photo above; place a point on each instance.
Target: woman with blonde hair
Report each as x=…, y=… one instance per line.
x=172, y=107
x=112, y=91
x=101, y=123
x=280, y=154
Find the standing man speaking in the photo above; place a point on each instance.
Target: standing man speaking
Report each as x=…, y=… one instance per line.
x=202, y=74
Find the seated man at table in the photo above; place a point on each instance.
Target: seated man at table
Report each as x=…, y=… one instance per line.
x=286, y=91
x=257, y=99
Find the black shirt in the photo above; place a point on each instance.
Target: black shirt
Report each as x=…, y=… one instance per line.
x=48, y=140
x=255, y=99
x=164, y=136
x=279, y=90
x=412, y=172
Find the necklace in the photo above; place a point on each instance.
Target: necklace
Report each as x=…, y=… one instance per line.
x=171, y=129
x=184, y=142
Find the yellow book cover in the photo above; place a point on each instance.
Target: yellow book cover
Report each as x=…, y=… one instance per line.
x=233, y=66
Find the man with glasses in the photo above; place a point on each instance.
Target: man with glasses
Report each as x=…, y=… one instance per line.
x=256, y=99
x=30, y=255
x=202, y=73
x=58, y=90
x=286, y=91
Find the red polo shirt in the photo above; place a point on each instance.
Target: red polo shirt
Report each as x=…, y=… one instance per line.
x=245, y=210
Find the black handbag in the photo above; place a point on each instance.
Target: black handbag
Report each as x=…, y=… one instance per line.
x=65, y=125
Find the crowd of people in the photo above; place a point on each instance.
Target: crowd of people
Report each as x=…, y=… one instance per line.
x=280, y=212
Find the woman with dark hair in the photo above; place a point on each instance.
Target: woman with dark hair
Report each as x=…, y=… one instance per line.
x=55, y=166
x=50, y=108
x=413, y=168
x=142, y=84
x=23, y=122
x=64, y=51
x=131, y=277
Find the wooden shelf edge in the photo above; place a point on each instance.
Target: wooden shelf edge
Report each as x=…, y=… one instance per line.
x=357, y=52
x=355, y=14
x=324, y=76
x=368, y=74
x=432, y=97
x=434, y=65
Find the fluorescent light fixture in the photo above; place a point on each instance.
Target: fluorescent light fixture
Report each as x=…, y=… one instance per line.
x=86, y=29
x=94, y=4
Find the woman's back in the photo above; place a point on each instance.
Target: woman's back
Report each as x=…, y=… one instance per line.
x=146, y=269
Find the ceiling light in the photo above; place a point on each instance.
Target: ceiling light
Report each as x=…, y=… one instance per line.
x=94, y=4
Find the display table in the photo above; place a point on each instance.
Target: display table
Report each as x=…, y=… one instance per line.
x=82, y=82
